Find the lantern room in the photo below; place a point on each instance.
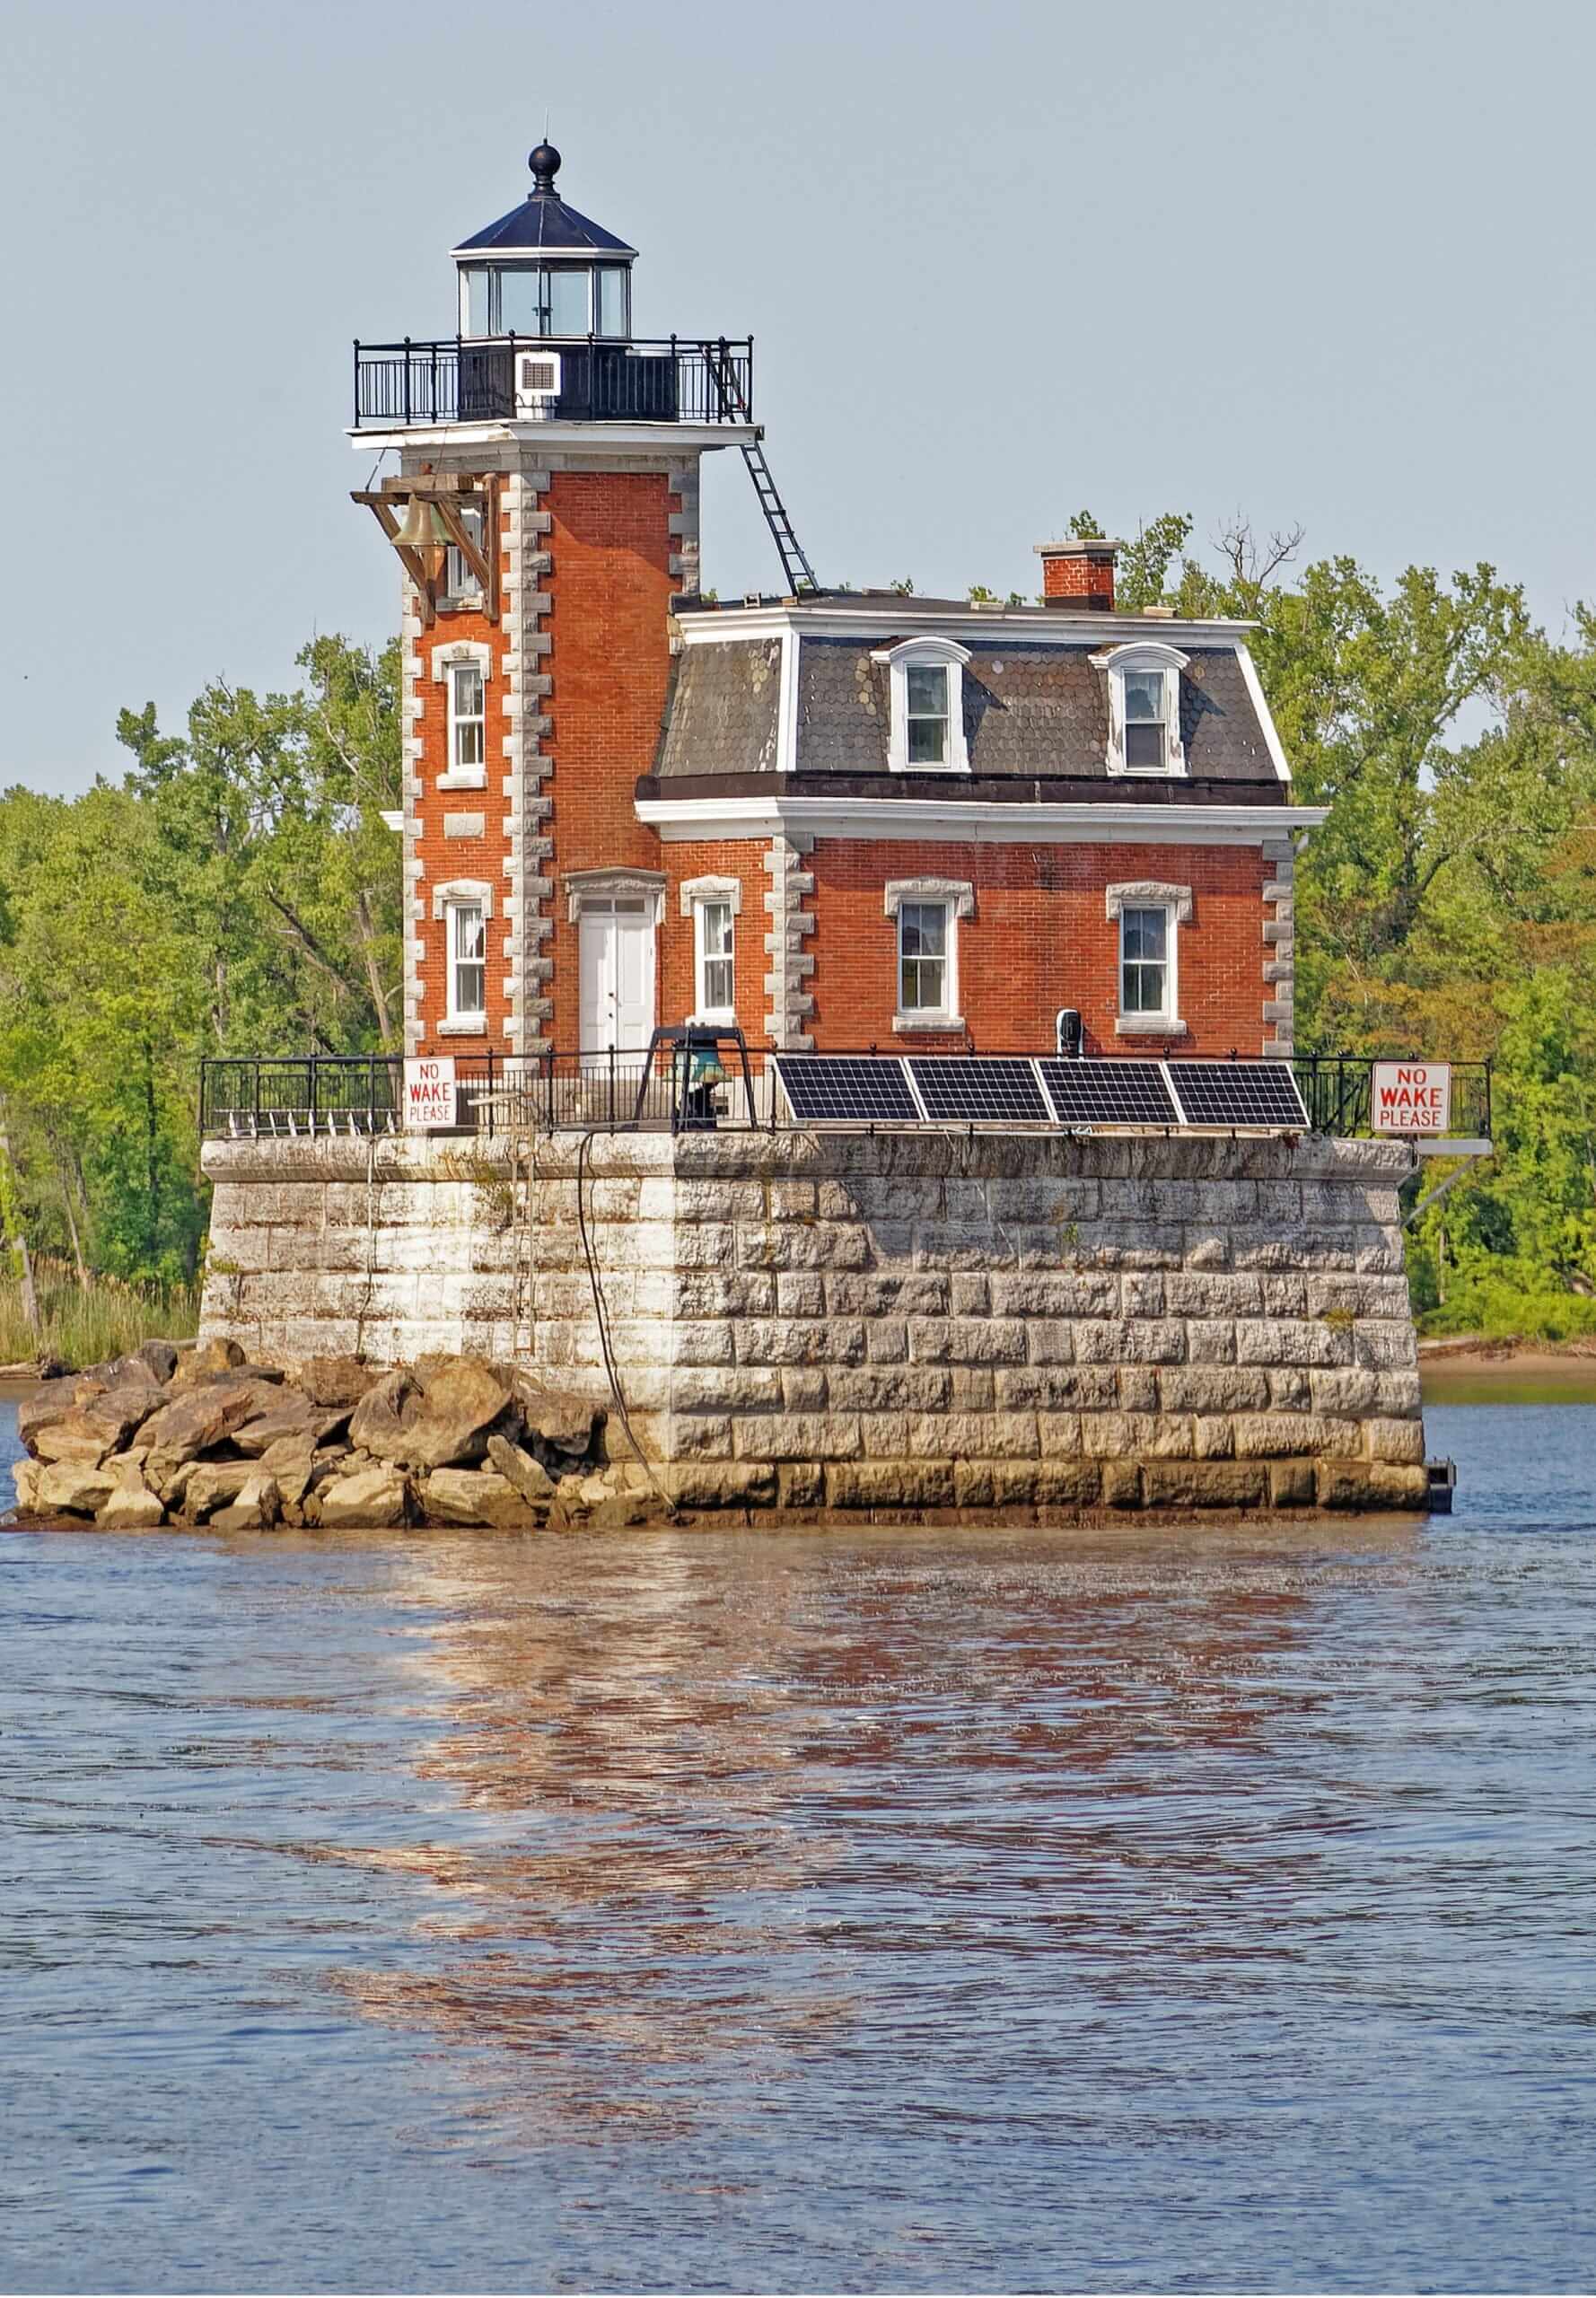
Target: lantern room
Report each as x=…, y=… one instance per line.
x=545, y=269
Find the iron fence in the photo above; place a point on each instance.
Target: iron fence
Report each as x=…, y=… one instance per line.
x=665, y=379
x=260, y=1097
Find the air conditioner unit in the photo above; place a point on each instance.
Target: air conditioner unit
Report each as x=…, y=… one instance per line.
x=536, y=383
x=1067, y=1032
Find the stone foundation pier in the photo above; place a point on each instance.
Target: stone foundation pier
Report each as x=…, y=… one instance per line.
x=892, y=1322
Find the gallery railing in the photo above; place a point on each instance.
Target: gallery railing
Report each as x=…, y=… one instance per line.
x=264, y=1097
x=585, y=379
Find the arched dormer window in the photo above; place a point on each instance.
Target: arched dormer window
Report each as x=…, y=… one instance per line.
x=926, y=728
x=1144, y=707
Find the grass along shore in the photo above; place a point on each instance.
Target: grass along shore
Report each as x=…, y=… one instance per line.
x=84, y=1323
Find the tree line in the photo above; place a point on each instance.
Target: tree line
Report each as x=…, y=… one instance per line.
x=236, y=889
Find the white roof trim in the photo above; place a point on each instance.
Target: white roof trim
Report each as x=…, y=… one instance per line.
x=1266, y=717
x=1142, y=655
x=945, y=650
x=836, y=618
x=976, y=822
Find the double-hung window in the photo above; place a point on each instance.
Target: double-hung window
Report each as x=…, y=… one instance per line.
x=459, y=583
x=1145, y=962
x=714, y=933
x=1143, y=683
x=924, y=958
x=1145, y=710
x=468, y=960
x=927, y=710
x=467, y=720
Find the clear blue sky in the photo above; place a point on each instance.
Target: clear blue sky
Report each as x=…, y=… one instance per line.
x=1324, y=263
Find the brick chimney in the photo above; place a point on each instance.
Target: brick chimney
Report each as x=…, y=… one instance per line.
x=1079, y=573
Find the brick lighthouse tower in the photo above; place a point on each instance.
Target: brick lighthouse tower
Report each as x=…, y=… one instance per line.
x=545, y=512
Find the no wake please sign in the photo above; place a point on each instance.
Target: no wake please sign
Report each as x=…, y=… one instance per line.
x=1412, y=1097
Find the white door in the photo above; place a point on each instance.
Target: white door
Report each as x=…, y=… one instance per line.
x=618, y=942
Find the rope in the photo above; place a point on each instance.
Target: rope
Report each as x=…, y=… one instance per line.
x=602, y=1315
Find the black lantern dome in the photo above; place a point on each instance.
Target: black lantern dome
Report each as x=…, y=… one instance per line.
x=545, y=269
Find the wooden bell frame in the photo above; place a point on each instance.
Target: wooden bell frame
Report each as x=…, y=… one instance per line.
x=451, y=494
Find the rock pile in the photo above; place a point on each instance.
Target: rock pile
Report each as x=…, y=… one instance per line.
x=197, y=1435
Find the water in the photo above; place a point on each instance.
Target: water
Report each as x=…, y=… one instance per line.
x=924, y=1911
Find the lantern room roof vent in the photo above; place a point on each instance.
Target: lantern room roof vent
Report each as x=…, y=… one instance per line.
x=543, y=223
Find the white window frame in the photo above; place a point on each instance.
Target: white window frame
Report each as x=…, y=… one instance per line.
x=1176, y=903
x=705, y=1008
x=1144, y=654
x=460, y=586
x=925, y=654
x=456, y=894
x=444, y=662
x=697, y=894
x=453, y=1010
x=956, y=899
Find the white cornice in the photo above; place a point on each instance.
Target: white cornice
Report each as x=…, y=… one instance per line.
x=975, y=822
x=896, y=619
x=1266, y=717
x=669, y=439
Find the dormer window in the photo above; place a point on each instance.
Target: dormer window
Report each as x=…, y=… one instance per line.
x=1144, y=707
x=926, y=732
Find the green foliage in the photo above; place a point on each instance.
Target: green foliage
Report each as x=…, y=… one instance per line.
x=239, y=891
x=87, y=1324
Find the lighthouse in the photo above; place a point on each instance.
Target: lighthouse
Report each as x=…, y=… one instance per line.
x=544, y=513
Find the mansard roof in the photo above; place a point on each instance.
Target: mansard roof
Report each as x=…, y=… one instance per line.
x=1035, y=702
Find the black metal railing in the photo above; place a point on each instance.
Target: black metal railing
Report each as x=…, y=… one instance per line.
x=263, y=1097
x=666, y=378
x=1337, y=1092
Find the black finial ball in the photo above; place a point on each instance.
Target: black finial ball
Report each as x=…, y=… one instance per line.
x=544, y=161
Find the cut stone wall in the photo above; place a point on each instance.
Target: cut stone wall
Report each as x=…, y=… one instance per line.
x=891, y=1322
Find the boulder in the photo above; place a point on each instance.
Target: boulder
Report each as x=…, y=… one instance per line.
x=371, y=1500
x=462, y=1397
x=477, y=1496
x=88, y=1431
x=53, y=1402
x=132, y=1507
x=530, y=1479
x=258, y=1506
x=196, y=1421
x=377, y=1424
x=215, y=1484
x=291, y=1418
x=160, y=1357
x=565, y=1421
x=336, y=1383
x=27, y=1474
x=72, y=1488
x=291, y=1460
x=74, y=1436
x=204, y=1359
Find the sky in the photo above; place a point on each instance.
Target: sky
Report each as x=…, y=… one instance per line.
x=1327, y=265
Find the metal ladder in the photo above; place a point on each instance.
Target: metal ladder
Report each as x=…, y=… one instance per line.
x=795, y=566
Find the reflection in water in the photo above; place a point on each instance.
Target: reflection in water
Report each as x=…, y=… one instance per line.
x=797, y=1911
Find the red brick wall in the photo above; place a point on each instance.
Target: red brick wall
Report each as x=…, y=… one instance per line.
x=1039, y=940
x=443, y=858
x=609, y=591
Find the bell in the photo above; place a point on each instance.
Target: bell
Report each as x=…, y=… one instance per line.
x=423, y=530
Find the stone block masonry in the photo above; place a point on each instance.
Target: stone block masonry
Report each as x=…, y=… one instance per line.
x=897, y=1323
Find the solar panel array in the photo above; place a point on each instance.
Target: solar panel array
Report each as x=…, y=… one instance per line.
x=980, y=1091
x=842, y=1088
x=1109, y=1092
x=1010, y=1089
x=1239, y=1093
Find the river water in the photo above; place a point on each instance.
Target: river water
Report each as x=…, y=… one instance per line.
x=851, y=1912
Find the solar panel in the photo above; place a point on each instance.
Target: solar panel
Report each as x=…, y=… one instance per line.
x=1239, y=1093
x=978, y=1090
x=1109, y=1092
x=838, y=1088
